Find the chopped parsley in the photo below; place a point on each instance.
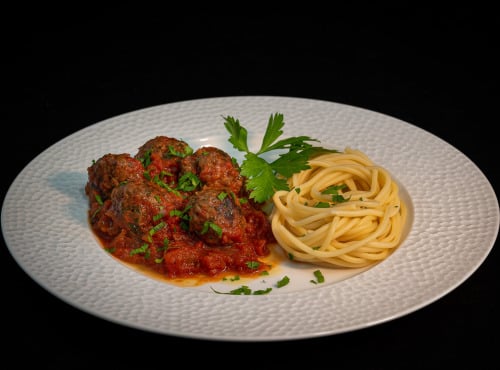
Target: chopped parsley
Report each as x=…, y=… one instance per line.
x=253, y=264
x=319, y=277
x=211, y=225
x=284, y=281
x=334, y=191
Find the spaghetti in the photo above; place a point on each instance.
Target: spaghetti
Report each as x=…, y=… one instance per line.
x=344, y=211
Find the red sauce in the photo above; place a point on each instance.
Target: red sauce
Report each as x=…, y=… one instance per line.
x=177, y=213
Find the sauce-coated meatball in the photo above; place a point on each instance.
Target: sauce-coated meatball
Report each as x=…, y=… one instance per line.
x=137, y=204
x=215, y=217
x=215, y=168
x=109, y=171
x=161, y=157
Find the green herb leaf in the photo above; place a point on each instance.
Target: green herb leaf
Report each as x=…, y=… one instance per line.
x=265, y=178
x=142, y=249
x=213, y=226
x=273, y=131
x=261, y=178
x=238, y=133
x=284, y=281
x=334, y=191
x=252, y=264
x=319, y=276
x=322, y=205
x=243, y=290
x=188, y=182
x=99, y=199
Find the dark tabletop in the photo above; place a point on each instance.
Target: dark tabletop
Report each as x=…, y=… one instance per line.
x=434, y=69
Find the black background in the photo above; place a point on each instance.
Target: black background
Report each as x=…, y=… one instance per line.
x=436, y=69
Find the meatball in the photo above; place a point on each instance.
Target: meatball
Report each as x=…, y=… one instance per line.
x=215, y=217
x=139, y=206
x=109, y=171
x=215, y=168
x=167, y=147
x=161, y=157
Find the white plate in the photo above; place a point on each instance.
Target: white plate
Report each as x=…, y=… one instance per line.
x=454, y=221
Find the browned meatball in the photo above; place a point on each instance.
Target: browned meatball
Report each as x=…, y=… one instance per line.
x=215, y=168
x=139, y=206
x=167, y=147
x=161, y=157
x=110, y=171
x=215, y=217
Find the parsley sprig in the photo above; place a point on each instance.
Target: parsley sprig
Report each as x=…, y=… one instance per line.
x=264, y=178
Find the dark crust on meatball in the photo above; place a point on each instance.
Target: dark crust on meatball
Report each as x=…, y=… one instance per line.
x=167, y=147
x=208, y=207
x=136, y=204
x=111, y=170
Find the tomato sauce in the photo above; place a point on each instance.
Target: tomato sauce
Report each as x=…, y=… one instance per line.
x=178, y=213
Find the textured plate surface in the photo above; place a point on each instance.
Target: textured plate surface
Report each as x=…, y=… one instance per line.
x=452, y=229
